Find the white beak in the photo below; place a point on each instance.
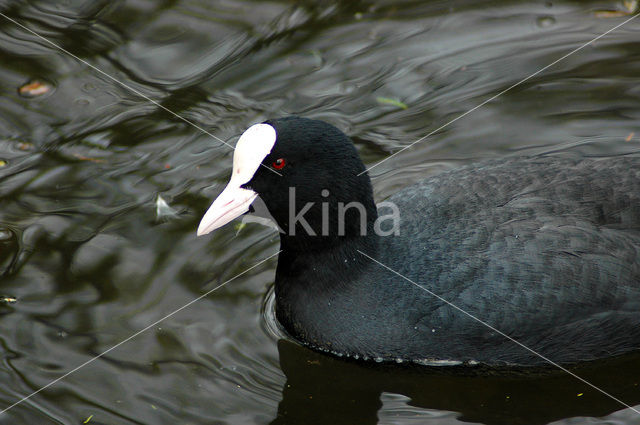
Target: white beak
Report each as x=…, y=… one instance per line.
x=253, y=146
x=232, y=202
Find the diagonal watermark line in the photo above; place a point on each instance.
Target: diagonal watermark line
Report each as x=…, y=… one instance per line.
x=502, y=92
x=137, y=333
x=500, y=332
x=125, y=85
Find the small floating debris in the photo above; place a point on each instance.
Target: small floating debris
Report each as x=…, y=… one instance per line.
x=24, y=146
x=97, y=140
x=545, y=21
x=35, y=88
x=239, y=226
x=88, y=419
x=5, y=234
x=610, y=13
x=579, y=394
x=629, y=137
x=317, y=56
x=8, y=299
x=163, y=210
x=630, y=6
x=392, y=102
x=87, y=158
x=3, y=163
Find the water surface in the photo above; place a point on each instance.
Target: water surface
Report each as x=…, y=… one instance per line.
x=86, y=260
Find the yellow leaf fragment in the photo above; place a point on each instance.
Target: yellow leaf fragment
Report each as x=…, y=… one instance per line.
x=630, y=7
x=392, y=102
x=34, y=88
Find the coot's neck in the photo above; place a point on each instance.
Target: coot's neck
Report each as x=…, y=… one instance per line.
x=327, y=219
x=330, y=253
x=334, y=254
x=324, y=225
x=307, y=279
x=313, y=270
x=346, y=234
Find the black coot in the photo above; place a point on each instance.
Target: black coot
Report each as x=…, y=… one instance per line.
x=545, y=250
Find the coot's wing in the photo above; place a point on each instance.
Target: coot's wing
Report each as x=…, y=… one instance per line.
x=545, y=250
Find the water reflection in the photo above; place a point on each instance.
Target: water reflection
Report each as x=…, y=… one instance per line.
x=324, y=390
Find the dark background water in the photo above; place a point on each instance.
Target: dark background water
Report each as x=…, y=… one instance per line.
x=87, y=260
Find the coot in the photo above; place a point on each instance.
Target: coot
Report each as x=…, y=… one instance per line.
x=544, y=249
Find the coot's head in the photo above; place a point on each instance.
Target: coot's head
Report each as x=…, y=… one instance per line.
x=307, y=174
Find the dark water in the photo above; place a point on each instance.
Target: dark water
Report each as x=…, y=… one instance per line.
x=87, y=260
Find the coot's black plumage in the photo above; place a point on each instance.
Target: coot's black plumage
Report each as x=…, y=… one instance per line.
x=545, y=249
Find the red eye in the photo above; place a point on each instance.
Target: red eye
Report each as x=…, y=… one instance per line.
x=278, y=164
